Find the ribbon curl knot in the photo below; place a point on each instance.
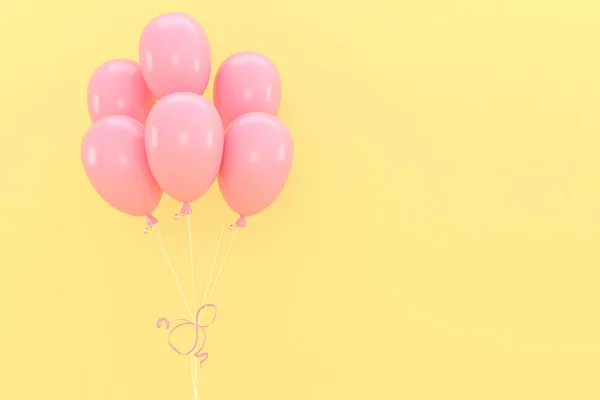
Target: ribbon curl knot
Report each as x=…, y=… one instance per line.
x=197, y=345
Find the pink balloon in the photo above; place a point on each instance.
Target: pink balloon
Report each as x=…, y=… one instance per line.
x=257, y=159
x=184, y=143
x=114, y=159
x=175, y=55
x=117, y=87
x=246, y=82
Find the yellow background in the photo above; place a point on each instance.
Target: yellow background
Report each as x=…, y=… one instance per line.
x=438, y=238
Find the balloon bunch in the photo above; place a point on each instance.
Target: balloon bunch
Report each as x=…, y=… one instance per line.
x=153, y=131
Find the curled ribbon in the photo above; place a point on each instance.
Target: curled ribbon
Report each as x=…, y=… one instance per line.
x=197, y=346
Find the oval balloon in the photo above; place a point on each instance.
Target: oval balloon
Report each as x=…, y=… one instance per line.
x=175, y=55
x=257, y=159
x=184, y=144
x=117, y=87
x=247, y=82
x=114, y=158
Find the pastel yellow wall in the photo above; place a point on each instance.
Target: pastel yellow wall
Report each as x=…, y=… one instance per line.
x=438, y=238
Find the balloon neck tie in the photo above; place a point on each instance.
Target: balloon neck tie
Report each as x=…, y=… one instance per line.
x=240, y=223
x=150, y=222
x=199, y=341
x=186, y=209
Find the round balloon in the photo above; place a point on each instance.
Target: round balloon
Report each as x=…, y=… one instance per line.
x=114, y=158
x=257, y=159
x=117, y=87
x=184, y=144
x=246, y=82
x=175, y=55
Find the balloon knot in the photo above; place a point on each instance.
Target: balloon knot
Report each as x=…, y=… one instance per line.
x=151, y=220
x=241, y=222
x=186, y=209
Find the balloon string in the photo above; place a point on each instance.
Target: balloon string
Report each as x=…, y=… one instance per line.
x=196, y=375
x=194, y=369
x=166, y=254
x=214, y=260
x=192, y=259
x=222, y=265
x=192, y=375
